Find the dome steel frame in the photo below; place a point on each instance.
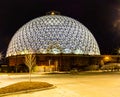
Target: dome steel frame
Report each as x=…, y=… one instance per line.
x=53, y=34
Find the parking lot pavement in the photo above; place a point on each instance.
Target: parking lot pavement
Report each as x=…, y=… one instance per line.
x=70, y=85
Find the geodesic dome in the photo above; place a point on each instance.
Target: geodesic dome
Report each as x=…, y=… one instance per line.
x=53, y=34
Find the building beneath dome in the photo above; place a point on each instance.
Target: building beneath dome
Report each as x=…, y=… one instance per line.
x=60, y=43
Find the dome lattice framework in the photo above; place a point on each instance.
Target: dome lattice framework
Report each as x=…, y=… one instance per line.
x=53, y=34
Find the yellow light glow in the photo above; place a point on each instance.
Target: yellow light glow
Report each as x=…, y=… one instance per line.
x=22, y=53
x=106, y=58
x=119, y=51
x=52, y=13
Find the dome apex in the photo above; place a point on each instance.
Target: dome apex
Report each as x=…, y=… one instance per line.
x=53, y=12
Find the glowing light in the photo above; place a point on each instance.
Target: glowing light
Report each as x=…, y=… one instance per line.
x=52, y=13
x=44, y=52
x=24, y=52
x=55, y=51
x=78, y=51
x=107, y=58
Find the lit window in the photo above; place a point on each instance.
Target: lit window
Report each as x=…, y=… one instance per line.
x=55, y=51
x=78, y=51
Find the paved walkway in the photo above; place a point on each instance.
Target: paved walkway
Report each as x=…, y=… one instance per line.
x=107, y=85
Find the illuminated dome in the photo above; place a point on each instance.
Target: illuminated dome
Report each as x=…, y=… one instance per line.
x=53, y=34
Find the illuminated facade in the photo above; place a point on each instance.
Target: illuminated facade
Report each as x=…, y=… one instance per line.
x=53, y=35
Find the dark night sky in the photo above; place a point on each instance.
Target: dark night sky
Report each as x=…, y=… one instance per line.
x=101, y=17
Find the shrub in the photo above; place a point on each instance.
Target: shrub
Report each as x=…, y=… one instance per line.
x=74, y=71
x=23, y=86
x=92, y=67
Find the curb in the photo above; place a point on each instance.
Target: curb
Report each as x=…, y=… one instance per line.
x=27, y=91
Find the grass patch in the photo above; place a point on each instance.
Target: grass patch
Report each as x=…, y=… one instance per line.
x=23, y=86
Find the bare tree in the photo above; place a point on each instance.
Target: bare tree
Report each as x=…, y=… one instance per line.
x=30, y=60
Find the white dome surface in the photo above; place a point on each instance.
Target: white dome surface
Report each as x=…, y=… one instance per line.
x=53, y=34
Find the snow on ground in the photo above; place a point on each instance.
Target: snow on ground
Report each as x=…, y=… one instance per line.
x=67, y=85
